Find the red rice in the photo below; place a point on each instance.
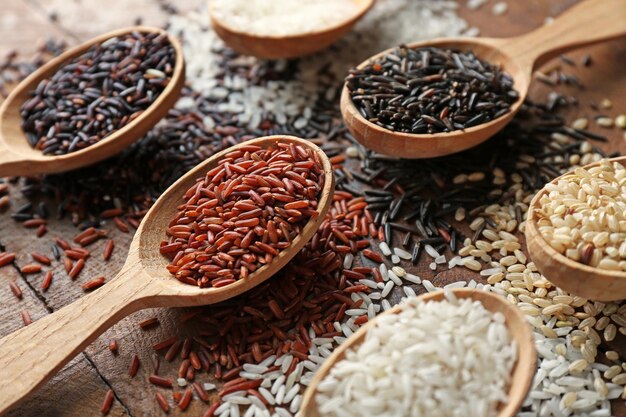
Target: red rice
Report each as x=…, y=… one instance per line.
x=160, y=399
x=107, y=403
x=41, y=258
x=31, y=269
x=186, y=400
x=242, y=213
x=160, y=381
x=94, y=283
x=26, y=317
x=15, y=289
x=45, y=284
x=108, y=249
x=134, y=366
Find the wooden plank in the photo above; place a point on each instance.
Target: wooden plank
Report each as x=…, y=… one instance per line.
x=23, y=28
x=11, y=307
x=77, y=390
x=86, y=19
x=520, y=17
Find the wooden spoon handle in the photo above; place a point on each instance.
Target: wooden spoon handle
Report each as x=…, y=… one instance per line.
x=11, y=164
x=586, y=23
x=33, y=354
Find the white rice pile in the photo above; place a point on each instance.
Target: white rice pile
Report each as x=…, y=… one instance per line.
x=448, y=358
x=283, y=17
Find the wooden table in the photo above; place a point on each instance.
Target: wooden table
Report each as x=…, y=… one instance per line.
x=78, y=390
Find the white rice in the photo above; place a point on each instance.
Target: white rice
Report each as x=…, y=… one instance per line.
x=449, y=358
x=283, y=17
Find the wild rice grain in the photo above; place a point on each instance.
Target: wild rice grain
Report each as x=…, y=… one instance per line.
x=427, y=90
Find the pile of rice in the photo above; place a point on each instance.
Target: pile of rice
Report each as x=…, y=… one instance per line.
x=283, y=17
x=439, y=358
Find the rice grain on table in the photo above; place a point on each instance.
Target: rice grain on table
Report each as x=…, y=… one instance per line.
x=446, y=358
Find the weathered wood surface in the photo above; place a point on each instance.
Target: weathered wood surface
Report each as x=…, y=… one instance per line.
x=80, y=388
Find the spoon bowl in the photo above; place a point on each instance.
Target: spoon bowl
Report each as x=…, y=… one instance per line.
x=17, y=157
x=585, y=23
x=143, y=282
x=519, y=330
x=282, y=47
x=572, y=276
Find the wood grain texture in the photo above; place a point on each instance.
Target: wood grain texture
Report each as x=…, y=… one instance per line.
x=85, y=19
x=519, y=331
x=136, y=393
x=77, y=390
x=281, y=47
x=17, y=157
x=23, y=28
x=586, y=23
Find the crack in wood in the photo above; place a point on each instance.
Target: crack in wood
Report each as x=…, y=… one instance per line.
x=106, y=382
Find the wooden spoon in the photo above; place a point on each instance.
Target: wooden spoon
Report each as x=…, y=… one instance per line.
x=17, y=157
x=33, y=354
x=585, y=23
x=519, y=330
x=575, y=277
x=292, y=46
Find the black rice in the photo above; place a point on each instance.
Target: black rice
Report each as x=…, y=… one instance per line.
x=430, y=90
x=98, y=92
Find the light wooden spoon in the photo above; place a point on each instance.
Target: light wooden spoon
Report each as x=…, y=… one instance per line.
x=280, y=47
x=33, y=354
x=575, y=277
x=519, y=330
x=585, y=23
x=17, y=157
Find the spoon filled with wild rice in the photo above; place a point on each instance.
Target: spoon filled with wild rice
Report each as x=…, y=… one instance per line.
x=91, y=102
x=438, y=97
x=462, y=352
x=225, y=227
